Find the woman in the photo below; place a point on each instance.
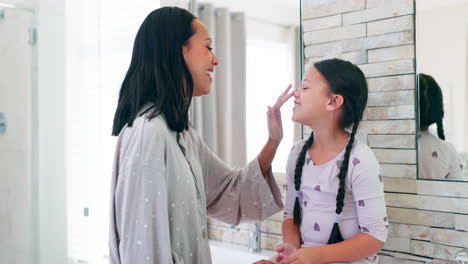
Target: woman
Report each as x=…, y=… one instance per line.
x=165, y=180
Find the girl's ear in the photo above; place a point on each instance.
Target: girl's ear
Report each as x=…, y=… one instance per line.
x=335, y=102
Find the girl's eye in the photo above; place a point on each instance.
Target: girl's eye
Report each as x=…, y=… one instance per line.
x=209, y=48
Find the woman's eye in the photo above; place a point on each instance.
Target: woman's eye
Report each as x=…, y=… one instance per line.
x=210, y=48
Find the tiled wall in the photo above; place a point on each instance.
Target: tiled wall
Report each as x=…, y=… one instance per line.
x=427, y=218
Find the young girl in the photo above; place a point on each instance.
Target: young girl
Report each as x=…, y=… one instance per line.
x=335, y=209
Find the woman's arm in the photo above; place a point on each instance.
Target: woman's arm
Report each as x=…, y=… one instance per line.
x=266, y=156
x=243, y=194
x=130, y=242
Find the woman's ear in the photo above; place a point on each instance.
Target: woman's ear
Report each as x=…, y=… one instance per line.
x=336, y=101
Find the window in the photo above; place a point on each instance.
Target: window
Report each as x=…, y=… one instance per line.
x=268, y=74
x=100, y=36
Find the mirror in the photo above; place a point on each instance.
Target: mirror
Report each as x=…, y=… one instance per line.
x=259, y=52
x=442, y=66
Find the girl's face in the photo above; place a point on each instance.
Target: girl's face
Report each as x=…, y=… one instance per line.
x=200, y=59
x=314, y=100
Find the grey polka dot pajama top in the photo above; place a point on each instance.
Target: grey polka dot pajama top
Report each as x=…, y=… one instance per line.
x=161, y=196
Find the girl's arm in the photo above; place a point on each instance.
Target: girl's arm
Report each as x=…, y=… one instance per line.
x=354, y=249
x=357, y=248
x=291, y=233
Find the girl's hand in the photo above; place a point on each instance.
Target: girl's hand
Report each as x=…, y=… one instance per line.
x=275, y=125
x=310, y=255
x=284, y=250
x=263, y=262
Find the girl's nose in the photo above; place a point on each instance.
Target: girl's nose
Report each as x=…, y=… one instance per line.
x=296, y=93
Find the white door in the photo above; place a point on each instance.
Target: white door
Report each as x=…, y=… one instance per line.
x=16, y=141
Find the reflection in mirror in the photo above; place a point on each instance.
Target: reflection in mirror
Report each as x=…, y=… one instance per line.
x=442, y=56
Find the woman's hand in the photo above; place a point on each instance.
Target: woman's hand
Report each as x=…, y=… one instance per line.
x=283, y=250
x=309, y=255
x=275, y=129
x=275, y=125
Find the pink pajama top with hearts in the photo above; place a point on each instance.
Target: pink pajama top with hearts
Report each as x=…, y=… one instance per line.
x=364, y=205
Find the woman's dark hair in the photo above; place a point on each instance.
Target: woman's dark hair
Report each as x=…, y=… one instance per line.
x=431, y=104
x=158, y=73
x=347, y=80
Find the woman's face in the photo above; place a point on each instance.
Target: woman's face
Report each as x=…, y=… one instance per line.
x=314, y=100
x=200, y=59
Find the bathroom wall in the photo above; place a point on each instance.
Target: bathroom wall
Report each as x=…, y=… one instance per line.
x=428, y=219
